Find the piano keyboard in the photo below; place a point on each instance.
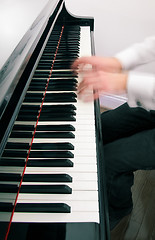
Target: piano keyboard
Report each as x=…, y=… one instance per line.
x=60, y=180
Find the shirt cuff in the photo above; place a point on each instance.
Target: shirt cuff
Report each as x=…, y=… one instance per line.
x=141, y=90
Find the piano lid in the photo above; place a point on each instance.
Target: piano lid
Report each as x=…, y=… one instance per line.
x=16, y=63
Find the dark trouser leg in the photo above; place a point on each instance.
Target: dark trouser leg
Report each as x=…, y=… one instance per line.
x=122, y=158
x=128, y=146
x=125, y=121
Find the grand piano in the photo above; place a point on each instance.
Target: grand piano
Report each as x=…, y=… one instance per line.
x=52, y=181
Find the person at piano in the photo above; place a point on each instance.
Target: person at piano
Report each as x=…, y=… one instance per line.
x=129, y=130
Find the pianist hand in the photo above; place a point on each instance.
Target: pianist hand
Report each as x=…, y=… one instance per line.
x=107, y=64
x=104, y=76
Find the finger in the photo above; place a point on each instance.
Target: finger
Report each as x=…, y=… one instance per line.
x=96, y=95
x=90, y=79
x=89, y=96
x=81, y=61
x=83, y=89
x=86, y=96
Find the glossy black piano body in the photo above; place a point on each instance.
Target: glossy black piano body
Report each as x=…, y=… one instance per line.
x=16, y=76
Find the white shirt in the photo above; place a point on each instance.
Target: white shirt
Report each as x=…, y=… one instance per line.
x=140, y=86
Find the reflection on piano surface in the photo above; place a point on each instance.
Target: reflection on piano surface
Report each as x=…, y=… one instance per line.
x=51, y=166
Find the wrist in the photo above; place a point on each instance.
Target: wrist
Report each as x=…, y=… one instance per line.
x=117, y=65
x=124, y=81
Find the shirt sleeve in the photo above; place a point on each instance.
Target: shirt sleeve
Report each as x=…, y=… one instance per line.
x=138, y=54
x=141, y=90
x=140, y=86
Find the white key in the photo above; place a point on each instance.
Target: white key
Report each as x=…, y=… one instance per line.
x=88, y=176
x=84, y=139
x=56, y=217
x=76, y=186
x=77, y=152
x=75, y=196
x=76, y=206
x=76, y=168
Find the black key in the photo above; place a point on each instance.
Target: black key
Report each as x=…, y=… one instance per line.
x=55, y=117
x=12, y=145
x=42, y=134
x=53, y=87
x=37, y=88
x=64, y=113
x=59, y=56
x=6, y=207
x=9, y=188
x=63, y=58
x=15, y=134
x=47, y=178
x=74, y=50
x=46, y=189
x=12, y=162
x=68, y=81
x=61, y=88
x=71, y=48
x=27, y=117
x=60, y=97
x=38, y=154
x=29, y=110
x=58, y=107
x=51, y=154
x=25, y=113
x=23, y=127
x=32, y=111
x=42, y=74
x=46, y=74
x=39, y=82
x=57, y=65
x=43, y=207
x=30, y=107
x=59, y=128
x=54, y=135
x=10, y=177
x=33, y=97
x=61, y=46
x=49, y=163
x=36, y=80
x=14, y=153
x=51, y=97
x=63, y=50
x=52, y=146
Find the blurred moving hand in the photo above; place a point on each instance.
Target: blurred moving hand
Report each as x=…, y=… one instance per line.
x=104, y=76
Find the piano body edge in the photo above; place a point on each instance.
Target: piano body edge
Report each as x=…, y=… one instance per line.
x=13, y=99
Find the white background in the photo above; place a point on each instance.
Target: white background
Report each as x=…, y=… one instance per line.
x=16, y=17
x=118, y=23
